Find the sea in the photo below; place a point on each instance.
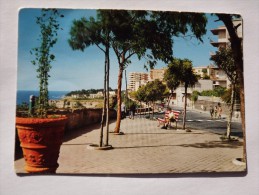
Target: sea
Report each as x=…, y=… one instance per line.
x=24, y=96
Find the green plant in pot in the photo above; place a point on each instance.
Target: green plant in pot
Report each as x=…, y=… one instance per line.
x=41, y=134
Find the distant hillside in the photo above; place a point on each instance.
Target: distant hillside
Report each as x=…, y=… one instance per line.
x=86, y=92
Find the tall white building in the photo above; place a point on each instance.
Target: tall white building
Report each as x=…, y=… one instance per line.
x=218, y=76
x=223, y=36
x=136, y=80
x=213, y=73
x=157, y=74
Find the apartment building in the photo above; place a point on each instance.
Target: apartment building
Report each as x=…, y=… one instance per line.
x=157, y=74
x=178, y=95
x=203, y=71
x=218, y=76
x=213, y=73
x=223, y=36
x=136, y=80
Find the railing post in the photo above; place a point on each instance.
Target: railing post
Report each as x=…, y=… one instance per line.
x=32, y=104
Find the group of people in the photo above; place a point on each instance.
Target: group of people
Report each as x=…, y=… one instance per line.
x=132, y=110
x=215, y=111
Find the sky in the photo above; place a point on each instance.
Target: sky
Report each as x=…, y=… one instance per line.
x=76, y=70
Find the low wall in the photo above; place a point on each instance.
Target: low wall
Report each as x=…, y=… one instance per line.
x=76, y=119
x=83, y=117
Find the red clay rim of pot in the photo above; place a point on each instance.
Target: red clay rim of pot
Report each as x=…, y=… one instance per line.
x=35, y=121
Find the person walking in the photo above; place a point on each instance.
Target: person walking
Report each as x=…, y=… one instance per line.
x=215, y=111
x=123, y=110
x=219, y=111
x=211, y=111
x=132, y=111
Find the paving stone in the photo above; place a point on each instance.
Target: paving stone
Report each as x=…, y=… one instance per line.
x=145, y=148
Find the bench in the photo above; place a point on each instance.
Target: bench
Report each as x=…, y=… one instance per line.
x=165, y=120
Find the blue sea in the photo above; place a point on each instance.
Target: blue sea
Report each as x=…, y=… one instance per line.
x=24, y=96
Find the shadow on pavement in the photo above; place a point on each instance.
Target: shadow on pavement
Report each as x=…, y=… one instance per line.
x=172, y=132
x=80, y=131
x=212, y=144
x=151, y=146
x=215, y=144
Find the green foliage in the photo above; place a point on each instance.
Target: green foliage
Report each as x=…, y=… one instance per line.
x=195, y=95
x=152, y=91
x=226, y=97
x=22, y=107
x=49, y=26
x=129, y=103
x=205, y=76
x=180, y=71
x=217, y=92
x=155, y=90
x=84, y=33
x=146, y=34
x=224, y=59
x=78, y=104
x=141, y=95
x=220, y=91
x=86, y=92
x=171, y=79
x=179, y=23
x=204, y=70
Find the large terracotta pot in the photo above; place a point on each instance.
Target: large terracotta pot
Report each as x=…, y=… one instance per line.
x=40, y=141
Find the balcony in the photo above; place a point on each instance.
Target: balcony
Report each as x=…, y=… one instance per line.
x=218, y=44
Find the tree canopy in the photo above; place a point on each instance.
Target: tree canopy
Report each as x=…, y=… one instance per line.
x=180, y=70
x=147, y=34
x=224, y=59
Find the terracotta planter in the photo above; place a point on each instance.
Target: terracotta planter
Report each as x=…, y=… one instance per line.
x=40, y=141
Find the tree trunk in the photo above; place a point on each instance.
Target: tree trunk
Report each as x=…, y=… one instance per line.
x=230, y=111
x=126, y=98
x=148, y=107
x=153, y=109
x=118, y=122
x=107, y=95
x=185, y=103
x=104, y=103
x=242, y=109
x=236, y=46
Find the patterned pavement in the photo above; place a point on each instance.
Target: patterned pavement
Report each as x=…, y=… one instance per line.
x=147, y=149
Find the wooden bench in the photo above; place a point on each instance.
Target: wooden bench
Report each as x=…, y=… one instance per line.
x=165, y=120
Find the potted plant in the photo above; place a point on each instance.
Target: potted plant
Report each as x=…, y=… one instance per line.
x=41, y=134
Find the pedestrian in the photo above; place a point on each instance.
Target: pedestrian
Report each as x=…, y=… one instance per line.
x=123, y=110
x=211, y=111
x=219, y=111
x=132, y=110
x=215, y=111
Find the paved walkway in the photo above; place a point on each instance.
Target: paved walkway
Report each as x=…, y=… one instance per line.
x=145, y=148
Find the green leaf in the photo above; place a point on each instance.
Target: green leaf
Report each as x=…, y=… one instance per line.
x=52, y=57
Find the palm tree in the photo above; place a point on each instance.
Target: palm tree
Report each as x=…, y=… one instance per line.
x=181, y=71
x=171, y=82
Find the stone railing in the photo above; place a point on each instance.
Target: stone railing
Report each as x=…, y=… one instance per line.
x=82, y=117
